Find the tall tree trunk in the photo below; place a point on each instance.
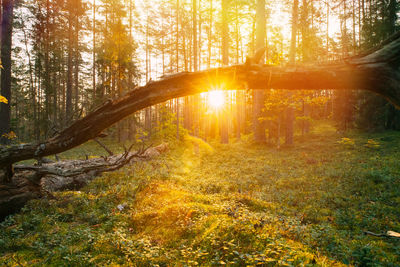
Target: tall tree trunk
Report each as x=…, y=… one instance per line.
x=68, y=104
x=210, y=24
x=292, y=52
x=94, y=53
x=327, y=28
x=132, y=119
x=177, y=66
x=32, y=88
x=177, y=37
x=77, y=58
x=6, y=44
x=195, y=44
x=391, y=27
x=392, y=16
x=5, y=110
x=199, y=42
x=47, y=82
x=196, y=98
x=292, y=61
x=1, y=18
x=354, y=27
x=238, y=93
x=342, y=112
x=188, y=110
x=259, y=95
x=225, y=61
x=306, y=53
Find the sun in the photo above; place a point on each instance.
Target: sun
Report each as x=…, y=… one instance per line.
x=216, y=99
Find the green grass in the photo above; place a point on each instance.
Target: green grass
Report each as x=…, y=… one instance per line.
x=236, y=205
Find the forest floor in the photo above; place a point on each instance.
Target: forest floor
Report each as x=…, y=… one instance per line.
x=214, y=205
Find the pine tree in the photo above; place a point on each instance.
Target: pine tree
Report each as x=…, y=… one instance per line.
x=258, y=97
x=225, y=61
x=6, y=46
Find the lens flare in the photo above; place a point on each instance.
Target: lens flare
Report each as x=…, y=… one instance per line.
x=216, y=99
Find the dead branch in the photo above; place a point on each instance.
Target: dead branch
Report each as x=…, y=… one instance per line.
x=104, y=146
x=389, y=234
x=34, y=181
x=71, y=168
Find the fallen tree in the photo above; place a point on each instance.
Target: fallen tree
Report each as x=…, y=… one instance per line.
x=35, y=181
x=376, y=71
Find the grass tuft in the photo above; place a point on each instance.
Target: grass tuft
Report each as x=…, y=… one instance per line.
x=234, y=205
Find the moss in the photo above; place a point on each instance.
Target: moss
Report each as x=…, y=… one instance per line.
x=239, y=204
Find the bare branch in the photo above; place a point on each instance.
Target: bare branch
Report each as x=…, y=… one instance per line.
x=104, y=146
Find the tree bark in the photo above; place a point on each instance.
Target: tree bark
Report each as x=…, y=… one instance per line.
x=94, y=48
x=6, y=42
x=376, y=72
x=292, y=61
x=76, y=57
x=259, y=97
x=5, y=110
x=35, y=181
x=392, y=8
x=196, y=98
x=223, y=115
x=68, y=102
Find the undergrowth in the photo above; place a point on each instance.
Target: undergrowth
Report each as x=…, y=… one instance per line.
x=215, y=205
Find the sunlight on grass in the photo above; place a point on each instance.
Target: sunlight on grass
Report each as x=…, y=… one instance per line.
x=203, y=146
x=215, y=207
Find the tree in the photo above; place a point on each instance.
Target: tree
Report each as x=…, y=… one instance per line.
x=94, y=51
x=70, y=54
x=258, y=97
x=5, y=112
x=292, y=61
x=115, y=58
x=6, y=44
x=196, y=98
x=225, y=61
x=177, y=67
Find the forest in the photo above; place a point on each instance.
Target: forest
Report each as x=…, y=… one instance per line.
x=199, y=133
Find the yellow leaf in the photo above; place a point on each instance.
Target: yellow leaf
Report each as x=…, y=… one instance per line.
x=11, y=135
x=3, y=99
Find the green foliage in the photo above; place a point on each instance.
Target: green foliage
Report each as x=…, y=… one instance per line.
x=235, y=205
x=166, y=127
x=374, y=113
x=301, y=101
